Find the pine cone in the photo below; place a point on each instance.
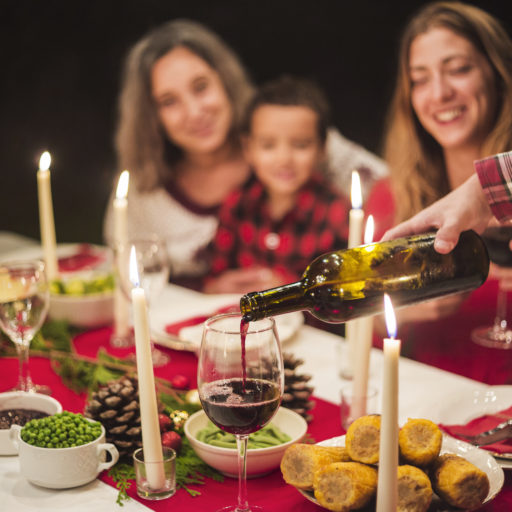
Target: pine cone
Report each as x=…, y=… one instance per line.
x=297, y=393
x=116, y=406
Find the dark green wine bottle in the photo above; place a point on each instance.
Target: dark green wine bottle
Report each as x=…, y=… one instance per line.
x=342, y=285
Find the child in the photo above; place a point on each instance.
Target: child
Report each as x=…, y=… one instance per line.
x=286, y=214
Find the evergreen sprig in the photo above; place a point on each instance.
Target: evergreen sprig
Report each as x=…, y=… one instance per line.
x=122, y=474
x=80, y=373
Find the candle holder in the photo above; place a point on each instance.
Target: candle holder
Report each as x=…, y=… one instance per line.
x=143, y=467
x=153, y=268
x=345, y=359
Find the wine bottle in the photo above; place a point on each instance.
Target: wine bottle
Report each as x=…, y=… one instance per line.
x=342, y=285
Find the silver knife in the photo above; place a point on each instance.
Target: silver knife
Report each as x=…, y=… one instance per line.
x=500, y=433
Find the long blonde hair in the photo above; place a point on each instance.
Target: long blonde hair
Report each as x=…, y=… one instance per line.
x=141, y=143
x=414, y=157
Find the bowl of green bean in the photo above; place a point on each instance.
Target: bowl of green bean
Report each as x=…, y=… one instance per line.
x=265, y=447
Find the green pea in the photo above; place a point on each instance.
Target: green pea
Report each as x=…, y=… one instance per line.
x=61, y=430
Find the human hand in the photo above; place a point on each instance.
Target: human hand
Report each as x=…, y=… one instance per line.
x=464, y=208
x=243, y=280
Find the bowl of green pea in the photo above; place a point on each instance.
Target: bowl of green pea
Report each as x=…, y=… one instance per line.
x=265, y=447
x=63, y=450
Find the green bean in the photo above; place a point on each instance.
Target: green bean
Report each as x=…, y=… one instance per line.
x=268, y=436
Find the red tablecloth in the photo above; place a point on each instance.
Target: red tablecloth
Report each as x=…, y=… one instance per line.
x=270, y=491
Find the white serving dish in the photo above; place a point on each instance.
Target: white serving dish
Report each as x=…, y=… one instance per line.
x=260, y=461
x=88, y=311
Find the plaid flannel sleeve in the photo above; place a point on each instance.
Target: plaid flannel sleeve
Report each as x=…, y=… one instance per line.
x=495, y=174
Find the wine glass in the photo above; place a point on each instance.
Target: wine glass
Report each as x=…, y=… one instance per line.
x=498, y=335
x=240, y=382
x=153, y=268
x=24, y=303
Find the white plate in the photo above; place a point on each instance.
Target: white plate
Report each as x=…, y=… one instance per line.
x=63, y=250
x=176, y=304
x=478, y=457
x=189, y=338
x=461, y=409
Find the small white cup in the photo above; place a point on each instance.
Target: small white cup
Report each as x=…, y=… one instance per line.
x=62, y=468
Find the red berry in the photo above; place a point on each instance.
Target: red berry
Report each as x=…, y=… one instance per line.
x=165, y=422
x=179, y=382
x=172, y=440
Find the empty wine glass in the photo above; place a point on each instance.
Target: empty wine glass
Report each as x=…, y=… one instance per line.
x=498, y=335
x=24, y=302
x=240, y=382
x=153, y=266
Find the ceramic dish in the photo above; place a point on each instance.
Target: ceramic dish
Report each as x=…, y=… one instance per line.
x=460, y=409
x=189, y=338
x=260, y=461
x=478, y=457
x=87, y=310
x=22, y=400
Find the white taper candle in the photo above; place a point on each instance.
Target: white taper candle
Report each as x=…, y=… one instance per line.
x=387, y=486
x=355, y=233
x=151, y=441
x=362, y=347
x=46, y=221
x=121, y=305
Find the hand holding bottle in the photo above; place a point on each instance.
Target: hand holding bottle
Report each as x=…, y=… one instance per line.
x=464, y=208
x=342, y=285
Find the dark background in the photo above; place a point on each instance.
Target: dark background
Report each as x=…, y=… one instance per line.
x=61, y=63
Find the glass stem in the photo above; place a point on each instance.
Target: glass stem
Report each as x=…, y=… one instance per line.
x=241, y=444
x=24, y=380
x=501, y=320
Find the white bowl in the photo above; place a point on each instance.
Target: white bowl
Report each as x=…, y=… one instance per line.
x=23, y=400
x=63, y=468
x=260, y=461
x=94, y=310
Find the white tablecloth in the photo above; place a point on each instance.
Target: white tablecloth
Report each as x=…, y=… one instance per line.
x=424, y=392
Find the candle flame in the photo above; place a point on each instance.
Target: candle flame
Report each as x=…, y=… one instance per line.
x=134, y=272
x=122, y=185
x=355, y=192
x=45, y=161
x=368, y=230
x=390, y=316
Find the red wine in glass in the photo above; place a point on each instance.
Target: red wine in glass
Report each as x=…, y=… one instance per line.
x=499, y=335
x=241, y=407
x=235, y=400
x=497, y=240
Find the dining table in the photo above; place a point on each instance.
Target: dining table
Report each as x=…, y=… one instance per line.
x=424, y=392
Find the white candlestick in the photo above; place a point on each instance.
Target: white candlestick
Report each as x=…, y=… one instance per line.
x=151, y=442
x=362, y=350
x=355, y=225
x=355, y=234
x=362, y=347
x=121, y=305
x=46, y=222
x=356, y=214
x=387, y=486
x=121, y=209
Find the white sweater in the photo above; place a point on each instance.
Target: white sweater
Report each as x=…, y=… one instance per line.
x=187, y=232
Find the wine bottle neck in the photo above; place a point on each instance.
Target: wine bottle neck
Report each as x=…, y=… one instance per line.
x=276, y=301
